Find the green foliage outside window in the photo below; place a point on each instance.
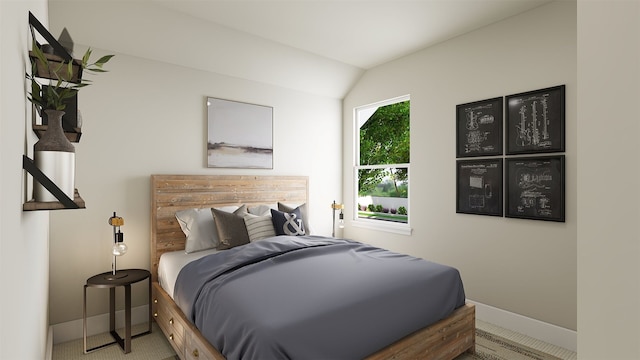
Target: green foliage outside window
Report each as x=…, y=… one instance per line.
x=384, y=139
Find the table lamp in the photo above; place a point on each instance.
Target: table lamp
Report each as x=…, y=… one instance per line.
x=335, y=206
x=119, y=248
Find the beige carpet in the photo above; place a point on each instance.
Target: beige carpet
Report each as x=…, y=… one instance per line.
x=496, y=343
x=493, y=347
x=492, y=343
x=148, y=347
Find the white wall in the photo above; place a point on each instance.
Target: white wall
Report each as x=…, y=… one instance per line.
x=24, y=243
x=152, y=30
x=608, y=173
x=523, y=266
x=146, y=117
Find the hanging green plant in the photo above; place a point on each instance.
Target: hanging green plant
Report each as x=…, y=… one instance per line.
x=62, y=79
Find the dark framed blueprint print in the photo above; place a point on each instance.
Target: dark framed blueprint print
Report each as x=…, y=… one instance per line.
x=479, y=187
x=536, y=121
x=535, y=188
x=479, y=128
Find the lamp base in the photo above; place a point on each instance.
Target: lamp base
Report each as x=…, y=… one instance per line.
x=116, y=276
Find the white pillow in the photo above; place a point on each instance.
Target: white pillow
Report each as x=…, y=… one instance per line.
x=262, y=209
x=259, y=227
x=200, y=228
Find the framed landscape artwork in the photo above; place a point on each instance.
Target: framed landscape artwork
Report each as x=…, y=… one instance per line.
x=479, y=187
x=535, y=188
x=240, y=135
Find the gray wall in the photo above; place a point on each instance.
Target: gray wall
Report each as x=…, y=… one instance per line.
x=608, y=173
x=523, y=266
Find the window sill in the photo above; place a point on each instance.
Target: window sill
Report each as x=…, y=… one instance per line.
x=396, y=228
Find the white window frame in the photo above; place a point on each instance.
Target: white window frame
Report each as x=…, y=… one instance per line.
x=380, y=225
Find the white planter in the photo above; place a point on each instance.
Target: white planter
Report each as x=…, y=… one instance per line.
x=60, y=167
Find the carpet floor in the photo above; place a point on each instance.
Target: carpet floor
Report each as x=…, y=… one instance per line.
x=492, y=343
x=496, y=343
x=153, y=346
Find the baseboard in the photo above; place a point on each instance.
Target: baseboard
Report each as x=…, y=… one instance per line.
x=48, y=354
x=72, y=330
x=537, y=329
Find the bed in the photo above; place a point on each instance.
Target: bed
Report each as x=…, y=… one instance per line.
x=444, y=339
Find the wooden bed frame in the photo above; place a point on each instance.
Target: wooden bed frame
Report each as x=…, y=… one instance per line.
x=445, y=339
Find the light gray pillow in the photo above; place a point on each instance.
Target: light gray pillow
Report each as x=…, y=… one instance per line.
x=199, y=228
x=262, y=209
x=303, y=212
x=232, y=230
x=259, y=227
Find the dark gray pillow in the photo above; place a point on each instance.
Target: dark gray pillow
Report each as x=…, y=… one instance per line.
x=288, y=223
x=303, y=213
x=232, y=231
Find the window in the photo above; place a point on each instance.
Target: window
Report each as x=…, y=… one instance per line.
x=382, y=164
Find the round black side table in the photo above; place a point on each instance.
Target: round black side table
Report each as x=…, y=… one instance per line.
x=109, y=280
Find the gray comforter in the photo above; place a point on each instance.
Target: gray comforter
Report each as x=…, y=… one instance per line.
x=309, y=297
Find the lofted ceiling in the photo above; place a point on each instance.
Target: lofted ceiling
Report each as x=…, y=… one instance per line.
x=316, y=46
x=360, y=33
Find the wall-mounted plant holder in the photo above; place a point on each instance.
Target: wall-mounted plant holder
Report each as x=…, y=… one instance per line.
x=64, y=201
x=60, y=65
x=56, y=56
x=55, y=69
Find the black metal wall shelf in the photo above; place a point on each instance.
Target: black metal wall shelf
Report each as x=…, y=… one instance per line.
x=73, y=136
x=64, y=201
x=55, y=60
x=56, y=69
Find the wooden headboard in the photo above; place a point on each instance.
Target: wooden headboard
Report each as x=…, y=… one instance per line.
x=172, y=193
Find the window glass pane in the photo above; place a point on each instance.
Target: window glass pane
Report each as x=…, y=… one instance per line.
x=382, y=193
x=384, y=134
